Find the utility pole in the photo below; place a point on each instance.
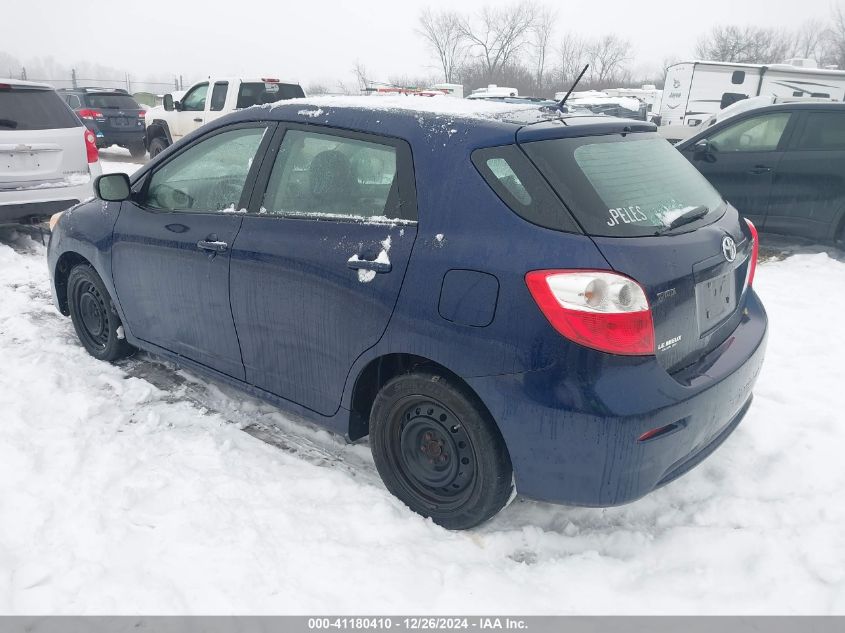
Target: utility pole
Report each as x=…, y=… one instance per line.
x=73, y=77
x=175, y=82
x=181, y=85
x=23, y=73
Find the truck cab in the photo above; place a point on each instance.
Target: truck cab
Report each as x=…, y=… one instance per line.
x=208, y=100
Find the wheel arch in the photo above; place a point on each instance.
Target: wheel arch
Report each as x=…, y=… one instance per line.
x=64, y=265
x=158, y=129
x=377, y=372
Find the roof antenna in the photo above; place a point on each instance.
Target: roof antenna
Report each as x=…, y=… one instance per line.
x=575, y=83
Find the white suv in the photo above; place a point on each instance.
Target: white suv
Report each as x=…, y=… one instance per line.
x=48, y=158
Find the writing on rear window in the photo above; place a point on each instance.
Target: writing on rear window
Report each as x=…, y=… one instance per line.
x=628, y=215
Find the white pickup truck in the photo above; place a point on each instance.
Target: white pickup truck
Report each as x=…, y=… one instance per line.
x=208, y=100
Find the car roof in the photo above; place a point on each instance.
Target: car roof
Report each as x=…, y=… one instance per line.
x=25, y=84
x=442, y=119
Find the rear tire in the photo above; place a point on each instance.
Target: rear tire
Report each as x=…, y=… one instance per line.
x=94, y=316
x=137, y=150
x=438, y=451
x=157, y=146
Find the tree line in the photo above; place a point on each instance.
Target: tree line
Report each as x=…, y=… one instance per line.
x=518, y=45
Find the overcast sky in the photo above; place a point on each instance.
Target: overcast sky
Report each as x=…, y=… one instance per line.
x=320, y=40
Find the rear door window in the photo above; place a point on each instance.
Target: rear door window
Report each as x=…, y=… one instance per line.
x=33, y=109
x=218, y=95
x=625, y=186
x=822, y=131
x=323, y=175
x=756, y=134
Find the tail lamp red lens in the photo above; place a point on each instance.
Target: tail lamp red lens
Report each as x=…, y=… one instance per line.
x=90, y=115
x=755, y=252
x=598, y=309
x=93, y=154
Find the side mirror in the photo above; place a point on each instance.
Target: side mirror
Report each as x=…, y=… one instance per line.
x=112, y=187
x=168, y=102
x=702, y=149
x=177, y=105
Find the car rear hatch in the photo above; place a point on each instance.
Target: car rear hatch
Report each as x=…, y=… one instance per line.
x=41, y=140
x=657, y=220
x=119, y=112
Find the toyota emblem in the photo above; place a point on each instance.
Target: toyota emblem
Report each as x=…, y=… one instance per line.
x=729, y=248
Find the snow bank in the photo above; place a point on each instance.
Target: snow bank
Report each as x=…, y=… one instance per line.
x=132, y=489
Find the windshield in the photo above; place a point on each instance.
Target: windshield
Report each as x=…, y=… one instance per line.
x=112, y=101
x=625, y=186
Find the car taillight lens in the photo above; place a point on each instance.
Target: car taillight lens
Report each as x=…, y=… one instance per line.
x=91, y=147
x=598, y=309
x=90, y=114
x=755, y=252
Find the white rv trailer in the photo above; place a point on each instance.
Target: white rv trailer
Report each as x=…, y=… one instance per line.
x=696, y=90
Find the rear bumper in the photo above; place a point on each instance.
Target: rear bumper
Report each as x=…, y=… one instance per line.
x=132, y=137
x=39, y=202
x=573, y=439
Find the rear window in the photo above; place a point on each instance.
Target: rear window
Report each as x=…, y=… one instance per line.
x=630, y=186
x=257, y=93
x=34, y=109
x=111, y=102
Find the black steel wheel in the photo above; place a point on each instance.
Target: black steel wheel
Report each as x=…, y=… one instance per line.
x=437, y=450
x=94, y=316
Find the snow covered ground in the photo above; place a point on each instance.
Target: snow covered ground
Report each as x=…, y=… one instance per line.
x=134, y=489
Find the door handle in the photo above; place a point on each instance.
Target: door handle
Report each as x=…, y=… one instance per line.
x=365, y=264
x=212, y=245
x=759, y=170
x=198, y=120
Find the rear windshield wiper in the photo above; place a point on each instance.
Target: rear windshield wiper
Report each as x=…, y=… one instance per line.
x=8, y=123
x=696, y=213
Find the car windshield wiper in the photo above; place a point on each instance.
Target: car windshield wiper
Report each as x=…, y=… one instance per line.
x=8, y=123
x=696, y=213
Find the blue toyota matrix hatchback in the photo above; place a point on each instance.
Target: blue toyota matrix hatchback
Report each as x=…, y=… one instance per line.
x=499, y=297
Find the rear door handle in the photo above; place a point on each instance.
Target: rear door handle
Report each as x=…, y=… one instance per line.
x=213, y=246
x=198, y=120
x=759, y=170
x=365, y=264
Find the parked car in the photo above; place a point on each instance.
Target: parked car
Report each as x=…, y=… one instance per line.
x=112, y=114
x=209, y=100
x=48, y=159
x=413, y=275
x=782, y=166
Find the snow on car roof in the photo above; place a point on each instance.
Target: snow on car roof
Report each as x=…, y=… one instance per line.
x=445, y=105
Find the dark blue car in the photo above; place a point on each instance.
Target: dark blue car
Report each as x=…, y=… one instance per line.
x=557, y=304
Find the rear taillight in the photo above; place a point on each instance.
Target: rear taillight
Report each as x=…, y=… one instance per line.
x=90, y=115
x=755, y=252
x=91, y=147
x=598, y=309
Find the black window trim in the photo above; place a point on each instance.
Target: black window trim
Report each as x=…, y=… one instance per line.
x=141, y=182
x=404, y=172
x=211, y=107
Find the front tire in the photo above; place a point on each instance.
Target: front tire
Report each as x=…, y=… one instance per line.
x=437, y=450
x=94, y=315
x=157, y=146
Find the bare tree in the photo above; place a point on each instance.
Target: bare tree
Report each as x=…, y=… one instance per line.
x=498, y=35
x=442, y=32
x=317, y=88
x=541, y=36
x=750, y=45
x=360, y=72
x=834, y=40
x=572, y=56
x=607, y=56
x=809, y=40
